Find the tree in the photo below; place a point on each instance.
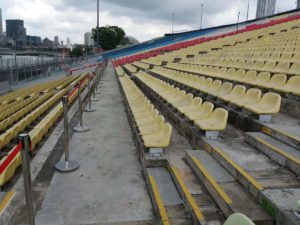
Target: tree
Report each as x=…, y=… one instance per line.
x=76, y=51
x=109, y=36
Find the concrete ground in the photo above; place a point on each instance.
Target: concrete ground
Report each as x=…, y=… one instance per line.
x=108, y=188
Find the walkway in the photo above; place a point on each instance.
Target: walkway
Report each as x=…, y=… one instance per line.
x=108, y=187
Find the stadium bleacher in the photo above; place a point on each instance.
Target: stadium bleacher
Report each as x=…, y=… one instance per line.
x=236, y=84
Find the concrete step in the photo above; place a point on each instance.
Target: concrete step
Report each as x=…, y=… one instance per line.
x=278, y=151
x=289, y=134
x=229, y=195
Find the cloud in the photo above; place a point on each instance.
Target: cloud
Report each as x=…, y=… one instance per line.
x=142, y=19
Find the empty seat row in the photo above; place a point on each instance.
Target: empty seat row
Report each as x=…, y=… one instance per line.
x=141, y=65
x=204, y=116
x=13, y=131
x=130, y=68
x=120, y=72
x=264, y=80
x=155, y=132
x=251, y=100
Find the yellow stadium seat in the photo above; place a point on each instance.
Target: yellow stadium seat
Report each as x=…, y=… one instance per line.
x=148, y=118
x=160, y=139
x=215, y=86
x=282, y=67
x=204, y=111
x=237, y=92
x=277, y=80
x=262, y=78
x=185, y=101
x=216, y=122
x=177, y=98
x=252, y=96
x=250, y=76
x=239, y=75
x=295, y=69
x=268, y=105
x=269, y=66
x=194, y=106
x=238, y=219
x=226, y=88
x=152, y=128
x=292, y=86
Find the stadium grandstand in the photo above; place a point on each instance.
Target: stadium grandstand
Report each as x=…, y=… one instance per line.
x=199, y=127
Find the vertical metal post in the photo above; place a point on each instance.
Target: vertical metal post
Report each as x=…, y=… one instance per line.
x=201, y=16
x=238, y=20
x=66, y=165
x=98, y=24
x=94, y=99
x=173, y=18
x=24, y=138
x=80, y=128
x=248, y=7
x=89, y=108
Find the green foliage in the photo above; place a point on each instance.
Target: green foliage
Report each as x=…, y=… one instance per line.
x=76, y=52
x=109, y=36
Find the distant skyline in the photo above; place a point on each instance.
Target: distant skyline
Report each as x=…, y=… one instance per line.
x=142, y=19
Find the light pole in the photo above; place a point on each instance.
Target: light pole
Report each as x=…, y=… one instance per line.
x=201, y=16
x=238, y=20
x=248, y=10
x=98, y=23
x=173, y=19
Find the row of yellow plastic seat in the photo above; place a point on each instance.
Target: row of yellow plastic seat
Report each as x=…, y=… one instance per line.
x=277, y=82
x=120, y=72
x=258, y=65
x=13, y=131
x=16, y=107
x=130, y=68
x=39, y=130
x=141, y=65
x=203, y=115
x=155, y=132
x=252, y=99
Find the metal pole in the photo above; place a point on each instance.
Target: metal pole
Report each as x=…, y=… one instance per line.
x=248, y=10
x=80, y=128
x=24, y=138
x=66, y=165
x=94, y=99
x=173, y=18
x=201, y=16
x=238, y=20
x=89, y=108
x=98, y=24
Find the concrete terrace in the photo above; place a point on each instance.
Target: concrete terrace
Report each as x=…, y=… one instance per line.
x=108, y=187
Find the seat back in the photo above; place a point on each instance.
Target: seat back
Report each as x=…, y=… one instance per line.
x=197, y=101
x=238, y=219
x=270, y=65
x=222, y=71
x=283, y=66
x=216, y=85
x=225, y=88
x=167, y=131
x=293, y=84
x=295, y=68
x=207, y=83
x=278, y=80
x=250, y=75
x=206, y=108
x=271, y=100
x=220, y=117
x=240, y=74
x=238, y=90
x=263, y=77
x=253, y=95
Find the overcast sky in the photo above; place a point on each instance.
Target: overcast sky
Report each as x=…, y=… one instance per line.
x=143, y=19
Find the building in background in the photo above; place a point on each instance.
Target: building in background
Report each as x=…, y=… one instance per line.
x=69, y=44
x=265, y=8
x=88, y=40
x=56, y=41
x=33, y=40
x=16, y=31
x=48, y=43
x=298, y=4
